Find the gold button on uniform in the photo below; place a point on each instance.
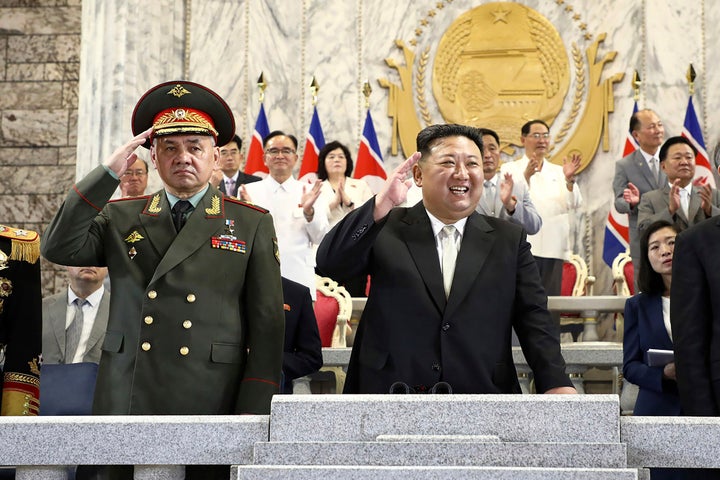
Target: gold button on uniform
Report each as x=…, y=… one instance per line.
x=145, y=346
x=184, y=350
x=149, y=320
x=152, y=294
x=191, y=297
x=187, y=324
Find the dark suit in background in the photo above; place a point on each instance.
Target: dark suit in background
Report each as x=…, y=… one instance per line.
x=695, y=317
x=242, y=179
x=303, y=351
x=409, y=332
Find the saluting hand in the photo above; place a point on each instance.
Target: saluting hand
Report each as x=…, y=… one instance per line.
x=394, y=191
x=124, y=156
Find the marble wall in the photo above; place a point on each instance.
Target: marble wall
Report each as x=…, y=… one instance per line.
x=227, y=44
x=39, y=71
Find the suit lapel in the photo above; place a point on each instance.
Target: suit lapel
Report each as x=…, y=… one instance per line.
x=418, y=236
x=58, y=317
x=477, y=243
x=205, y=221
x=645, y=170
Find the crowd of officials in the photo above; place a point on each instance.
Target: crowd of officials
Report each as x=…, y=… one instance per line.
x=209, y=271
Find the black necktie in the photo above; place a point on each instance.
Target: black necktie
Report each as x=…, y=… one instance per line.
x=179, y=211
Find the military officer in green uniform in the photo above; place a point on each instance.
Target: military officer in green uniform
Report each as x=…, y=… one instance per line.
x=196, y=318
x=20, y=321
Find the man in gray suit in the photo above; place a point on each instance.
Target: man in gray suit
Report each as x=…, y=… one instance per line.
x=502, y=197
x=639, y=173
x=681, y=200
x=86, y=292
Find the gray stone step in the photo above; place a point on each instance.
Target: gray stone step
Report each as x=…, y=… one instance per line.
x=256, y=472
x=512, y=418
x=556, y=455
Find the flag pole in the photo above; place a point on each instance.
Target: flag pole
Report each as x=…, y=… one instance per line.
x=314, y=88
x=261, y=87
x=636, y=86
x=367, y=90
x=690, y=76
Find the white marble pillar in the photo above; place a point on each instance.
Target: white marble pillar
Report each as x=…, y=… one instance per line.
x=129, y=46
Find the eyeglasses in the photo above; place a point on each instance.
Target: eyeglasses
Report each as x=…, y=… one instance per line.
x=538, y=136
x=277, y=151
x=134, y=173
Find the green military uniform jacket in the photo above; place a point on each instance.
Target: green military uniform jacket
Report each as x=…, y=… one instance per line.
x=196, y=319
x=20, y=321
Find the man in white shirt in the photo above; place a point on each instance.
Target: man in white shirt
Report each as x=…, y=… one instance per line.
x=86, y=302
x=293, y=206
x=639, y=173
x=503, y=197
x=681, y=200
x=554, y=193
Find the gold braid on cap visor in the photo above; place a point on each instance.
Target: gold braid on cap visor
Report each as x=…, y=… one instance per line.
x=181, y=120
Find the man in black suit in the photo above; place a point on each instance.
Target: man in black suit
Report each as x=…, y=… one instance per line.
x=695, y=317
x=303, y=351
x=231, y=159
x=424, y=324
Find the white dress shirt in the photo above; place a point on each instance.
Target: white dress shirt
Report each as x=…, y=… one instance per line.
x=553, y=202
x=90, y=309
x=296, y=236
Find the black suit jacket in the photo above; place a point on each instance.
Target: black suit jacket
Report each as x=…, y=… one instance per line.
x=695, y=317
x=303, y=351
x=409, y=332
x=243, y=178
x=645, y=329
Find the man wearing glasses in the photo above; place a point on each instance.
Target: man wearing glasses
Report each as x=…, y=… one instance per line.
x=231, y=177
x=293, y=206
x=134, y=181
x=554, y=193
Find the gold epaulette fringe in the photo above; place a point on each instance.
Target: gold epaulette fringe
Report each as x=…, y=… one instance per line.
x=25, y=244
x=26, y=250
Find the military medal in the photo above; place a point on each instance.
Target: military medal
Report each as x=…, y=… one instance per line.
x=228, y=240
x=229, y=228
